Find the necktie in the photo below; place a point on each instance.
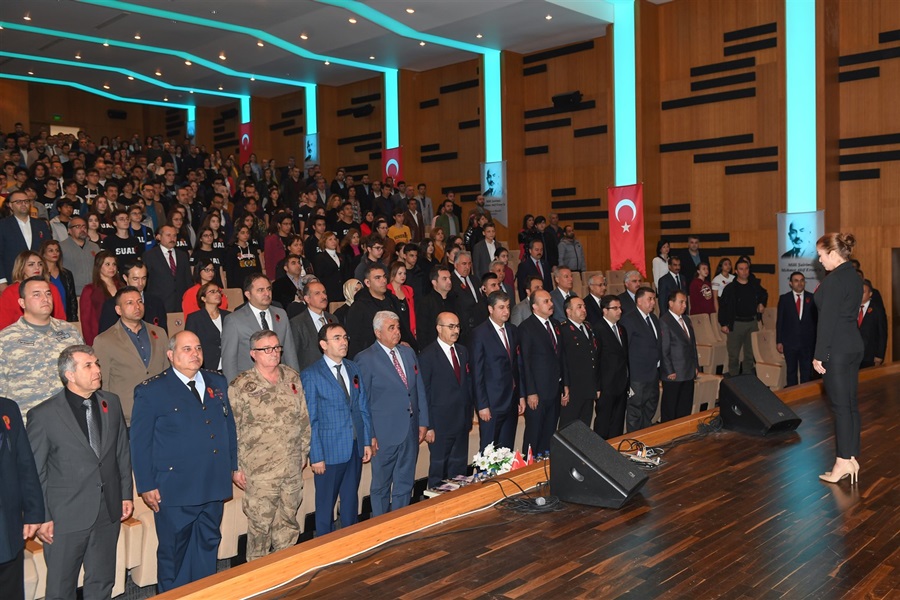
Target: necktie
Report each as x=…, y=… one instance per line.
x=540, y=270
x=650, y=325
x=505, y=340
x=683, y=326
x=456, y=369
x=341, y=382
x=322, y=324
x=584, y=331
x=859, y=319
x=399, y=369
x=677, y=282
x=615, y=329
x=552, y=337
x=262, y=318
x=193, y=385
x=93, y=430
x=172, y=263
x=798, y=305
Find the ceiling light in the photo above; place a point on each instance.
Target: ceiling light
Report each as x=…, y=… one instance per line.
x=192, y=91
x=410, y=10
x=327, y=63
x=106, y=44
x=27, y=16
x=421, y=43
x=303, y=36
x=221, y=88
x=165, y=98
x=158, y=73
x=31, y=72
x=137, y=36
x=260, y=44
x=371, y=58
x=78, y=56
x=130, y=78
x=105, y=86
x=548, y=17
x=188, y=63
x=352, y=20
x=222, y=56
x=479, y=36
x=253, y=79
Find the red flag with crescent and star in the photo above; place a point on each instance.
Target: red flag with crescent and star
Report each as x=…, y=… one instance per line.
x=391, y=164
x=246, y=148
x=626, y=226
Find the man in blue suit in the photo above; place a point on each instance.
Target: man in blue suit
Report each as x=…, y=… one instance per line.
x=21, y=499
x=390, y=374
x=448, y=385
x=342, y=438
x=795, y=329
x=644, y=355
x=497, y=365
x=19, y=232
x=184, y=450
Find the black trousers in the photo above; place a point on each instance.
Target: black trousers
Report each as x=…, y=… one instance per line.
x=610, y=419
x=578, y=409
x=677, y=399
x=798, y=358
x=448, y=455
x=841, y=380
x=540, y=425
x=12, y=578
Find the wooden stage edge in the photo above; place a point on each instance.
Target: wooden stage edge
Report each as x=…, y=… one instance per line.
x=277, y=569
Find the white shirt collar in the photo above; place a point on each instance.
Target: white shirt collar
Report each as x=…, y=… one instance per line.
x=201, y=384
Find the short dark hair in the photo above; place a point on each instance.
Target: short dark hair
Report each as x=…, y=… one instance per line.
x=488, y=276
x=374, y=267
x=495, y=297
x=436, y=271
x=326, y=328
x=28, y=280
x=643, y=291
x=125, y=290
x=249, y=279
x=674, y=294
x=791, y=276
x=568, y=301
x=673, y=258
x=605, y=300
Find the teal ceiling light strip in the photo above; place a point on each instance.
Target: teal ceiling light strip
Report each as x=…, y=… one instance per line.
x=802, y=174
x=625, y=92
x=493, y=101
x=191, y=110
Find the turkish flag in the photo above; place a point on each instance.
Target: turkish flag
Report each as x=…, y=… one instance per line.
x=392, y=164
x=246, y=148
x=626, y=226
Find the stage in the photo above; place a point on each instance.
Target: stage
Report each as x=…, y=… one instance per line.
x=726, y=516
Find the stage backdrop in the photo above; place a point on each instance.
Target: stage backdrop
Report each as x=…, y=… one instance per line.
x=493, y=187
x=797, y=235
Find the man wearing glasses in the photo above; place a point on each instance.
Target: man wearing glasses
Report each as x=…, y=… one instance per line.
x=342, y=438
x=273, y=432
x=19, y=232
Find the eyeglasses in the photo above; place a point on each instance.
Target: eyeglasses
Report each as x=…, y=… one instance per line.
x=451, y=326
x=269, y=349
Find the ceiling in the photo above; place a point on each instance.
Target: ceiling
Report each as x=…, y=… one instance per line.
x=62, y=30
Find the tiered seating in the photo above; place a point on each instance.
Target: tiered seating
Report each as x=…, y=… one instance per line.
x=711, y=351
x=235, y=298
x=175, y=323
x=770, y=365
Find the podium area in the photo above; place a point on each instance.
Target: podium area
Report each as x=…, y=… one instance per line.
x=725, y=516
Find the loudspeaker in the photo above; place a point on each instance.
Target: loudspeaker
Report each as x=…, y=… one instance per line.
x=585, y=469
x=116, y=114
x=748, y=406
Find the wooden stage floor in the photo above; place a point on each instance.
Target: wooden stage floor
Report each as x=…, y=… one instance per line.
x=727, y=516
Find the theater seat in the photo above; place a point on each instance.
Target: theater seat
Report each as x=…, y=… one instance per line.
x=175, y=323
x=706, y=391
x=716, y=351
x=770, y=316
x=235, y=298
x=770, y=366
x=615, y=277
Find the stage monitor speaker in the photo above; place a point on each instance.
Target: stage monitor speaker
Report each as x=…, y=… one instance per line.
x=116, y=114
x=747, y=405
x=585, y=469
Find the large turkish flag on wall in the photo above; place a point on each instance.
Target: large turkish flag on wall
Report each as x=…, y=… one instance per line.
x=392, y=164
x=246, y=148
x=626, y=226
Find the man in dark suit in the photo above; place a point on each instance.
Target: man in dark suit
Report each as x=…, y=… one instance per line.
x=13, y=232
x=580, y=350
x=465, y=295
x=184, y=445
x=496, y=358
x=633, y=282
x=341, y=424
x=168, y=270
x=544, y=379
x=563, y=278
x=671, y=281
x=594, y=298
x=612, y=347
x=490, y=283
x=872, y=323
x=644, y=352
x=305, y=327
x=134, y=274
x=434, y=303
x=691, y=257
x=448, y=386
x=678, y=364
x=533, y=265
x=81, y=451
x=795, y=329
x=390, y=374
x=21, y=500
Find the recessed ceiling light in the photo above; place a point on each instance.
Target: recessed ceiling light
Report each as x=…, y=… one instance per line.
x=253, y=79
x=421, y=43
x=548, y=17
x=479, y=36
x=327, y=63
x=188, y=63
x=158, y=73
x=130, y=78
x=260, y=44
x=371, y=58
x=221, y=88
x=137, y=36
x=352, y=20
x=27, y=16
x=410, y=10
x=31, y=72
x=105, y=86
x=106, y=44
x=303, y=36
x=165, y=98
x=78, y=56
x=222, y=56
x=192, y=91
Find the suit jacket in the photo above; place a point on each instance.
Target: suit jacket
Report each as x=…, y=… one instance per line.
x=306, y=338
x=520, y=312
x=334, y=420
x=416, y=225
x=874, y=333
x=236, y=331
x=594, y=312
x=154, y=313
x=428, y=308
x=465, y=305
x=72, y=476
x=331, y=275
x=12, y=242
x=481, y=258
x=186, y=451
x=688, y=269
x=203, y=327
x=284, y=292
x=582, y=360
x=790, y=329
x=121, y=365
x=614, y=378
x=390, y=401
x=666, y=285
x=450, y=402
x=161, y=282
x=837, y=300
x=526, y=270
x=498, y=380
x=21, y=497
x=628, y=303
x=679, y=351
x=545, y=368
x=559, y=311
x=644, y=348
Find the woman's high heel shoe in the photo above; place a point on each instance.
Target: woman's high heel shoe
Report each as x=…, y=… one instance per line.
x=845, y=469
x=855, y=468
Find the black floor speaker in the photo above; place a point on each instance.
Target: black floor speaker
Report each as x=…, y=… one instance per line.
x=585, y=469
x=748, y=406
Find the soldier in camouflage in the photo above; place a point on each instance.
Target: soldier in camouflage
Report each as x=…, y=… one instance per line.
x=29, y=348
x=273, y=446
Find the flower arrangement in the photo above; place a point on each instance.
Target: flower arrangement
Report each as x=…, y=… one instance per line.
x=492, y=460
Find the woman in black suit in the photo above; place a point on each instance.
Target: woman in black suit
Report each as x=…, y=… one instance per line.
x=207, y=322
x=839, y=348
x=330, y=266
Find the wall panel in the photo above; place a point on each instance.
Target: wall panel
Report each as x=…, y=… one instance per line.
x=343, y=128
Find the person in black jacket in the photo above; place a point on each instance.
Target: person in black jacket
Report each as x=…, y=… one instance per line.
x=872, y=322
x=741, y=301
x=582, y=358
x=366, y=303
x=839, y=348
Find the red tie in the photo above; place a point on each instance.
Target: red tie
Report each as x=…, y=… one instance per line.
x=798, y=305
x=540, y=270
x=684, y=326
x=399, y=369
x=859, y=319
x=552, y=337
x=456, y=370
x=172, y=263
x=505, y=341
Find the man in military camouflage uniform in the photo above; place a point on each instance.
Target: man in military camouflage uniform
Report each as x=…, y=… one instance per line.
x=29, y=348
x=273, y=446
